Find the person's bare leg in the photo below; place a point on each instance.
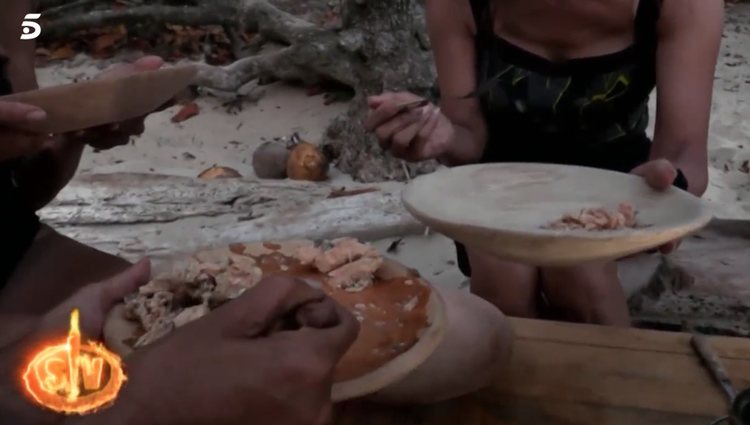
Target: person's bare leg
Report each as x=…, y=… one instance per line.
x=591, y=293
x=54, y=267
x=512, y=287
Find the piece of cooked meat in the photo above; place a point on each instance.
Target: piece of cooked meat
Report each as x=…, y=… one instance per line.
x=598, y=219
x=355, y=276
x=190, y=314
x=157, y=285
x=306, y=255
x=344, y=250
x=196, y=291
x=161, y=328
x=229, y=288
x=148, y=309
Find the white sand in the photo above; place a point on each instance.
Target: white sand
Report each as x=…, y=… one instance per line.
x=216, y=137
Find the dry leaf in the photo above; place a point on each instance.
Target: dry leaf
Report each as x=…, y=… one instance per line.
x=104, y=42
x=186, y=112
x=394, y=246
x=62, y=53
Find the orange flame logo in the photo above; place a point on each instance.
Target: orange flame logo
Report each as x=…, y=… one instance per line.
x=74, y=377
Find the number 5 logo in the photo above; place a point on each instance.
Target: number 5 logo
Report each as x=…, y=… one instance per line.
x=30, y=29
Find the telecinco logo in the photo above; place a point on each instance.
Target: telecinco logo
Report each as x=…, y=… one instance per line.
x=29, y=28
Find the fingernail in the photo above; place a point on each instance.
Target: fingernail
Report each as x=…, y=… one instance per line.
x=36, y=115
x=436, y=111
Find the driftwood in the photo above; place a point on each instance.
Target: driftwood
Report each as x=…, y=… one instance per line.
x=704, y=286
x=133, y=215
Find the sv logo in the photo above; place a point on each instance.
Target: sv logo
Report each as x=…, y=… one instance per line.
x=29, y=28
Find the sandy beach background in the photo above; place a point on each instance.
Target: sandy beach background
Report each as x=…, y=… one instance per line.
x=229, y=137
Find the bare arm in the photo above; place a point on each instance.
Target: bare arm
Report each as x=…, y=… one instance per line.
x=689, y=40
x=451, y=30
x=40, y=178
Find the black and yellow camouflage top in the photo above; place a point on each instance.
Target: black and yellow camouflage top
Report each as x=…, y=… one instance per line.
x=589, y=111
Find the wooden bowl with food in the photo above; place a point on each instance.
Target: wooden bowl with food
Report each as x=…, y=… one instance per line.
x=552, y=215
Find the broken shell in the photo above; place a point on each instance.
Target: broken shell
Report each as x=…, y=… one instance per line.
x=217, y=172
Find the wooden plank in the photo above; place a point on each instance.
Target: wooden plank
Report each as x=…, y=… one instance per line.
x=572, y=374
x=625, y=338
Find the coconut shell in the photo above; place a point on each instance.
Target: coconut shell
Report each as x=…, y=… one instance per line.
x=270, y=161
x=217, y=172
x=307, y=162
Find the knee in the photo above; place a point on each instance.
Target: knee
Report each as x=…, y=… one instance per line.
x=492, y=290
x=586, y=294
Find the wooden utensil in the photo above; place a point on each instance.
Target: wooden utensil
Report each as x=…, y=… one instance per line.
x=91, y=103
x=503, y=209
x=410, y=106
x=739, y=403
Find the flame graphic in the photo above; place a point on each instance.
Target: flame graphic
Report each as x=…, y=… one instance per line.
x=74, y=377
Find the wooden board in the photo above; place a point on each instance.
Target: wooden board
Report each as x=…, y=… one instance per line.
x=504, y=208
x=571, y=374
x=91, y=103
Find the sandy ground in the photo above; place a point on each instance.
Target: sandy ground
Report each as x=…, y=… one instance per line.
x=216, y=136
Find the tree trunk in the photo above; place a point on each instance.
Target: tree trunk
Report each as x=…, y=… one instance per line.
x=393, y=54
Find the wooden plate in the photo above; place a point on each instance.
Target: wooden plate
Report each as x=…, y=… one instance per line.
x=91, y=103
x=502, y=209
x=118, y=329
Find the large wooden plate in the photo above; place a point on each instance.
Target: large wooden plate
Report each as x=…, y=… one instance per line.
x=502, y=209
x=118, y=329
x=91, y=103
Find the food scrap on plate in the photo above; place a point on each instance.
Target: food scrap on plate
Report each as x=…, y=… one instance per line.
x=599, y=218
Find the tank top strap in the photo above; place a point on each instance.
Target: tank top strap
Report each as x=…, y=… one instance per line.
x=646, y=22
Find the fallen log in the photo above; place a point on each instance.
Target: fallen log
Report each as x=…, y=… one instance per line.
x=704, y=286
x=133, y=215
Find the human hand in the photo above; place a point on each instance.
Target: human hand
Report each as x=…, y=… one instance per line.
x=28, y=333
x=660, y=174
x=109, y=136
x=416, y=135
x=15, y=143
x=266, y=357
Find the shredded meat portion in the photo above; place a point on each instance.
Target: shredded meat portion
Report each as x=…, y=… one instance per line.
x=166, y=303
x=598, y=219
x=349, y=264
x=355, y=276
x=213, y=278
x=344, y=250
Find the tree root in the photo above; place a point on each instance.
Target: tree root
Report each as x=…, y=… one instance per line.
x=151, y=15
x=380, y=46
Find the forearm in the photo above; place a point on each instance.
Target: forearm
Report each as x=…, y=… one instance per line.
x=466, y=147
